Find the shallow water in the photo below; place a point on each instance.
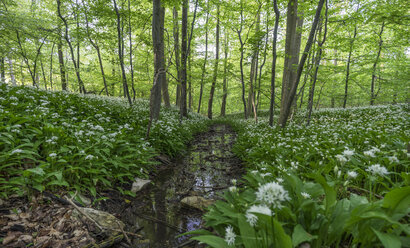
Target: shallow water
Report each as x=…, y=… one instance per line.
x=206, y=170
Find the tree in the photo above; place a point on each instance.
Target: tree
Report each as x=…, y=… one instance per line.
x=274, y=56
x=121, y=54
x=285, y=111
x=184, y=56
x=205, y=60
x=76, y=65
x=211, y=94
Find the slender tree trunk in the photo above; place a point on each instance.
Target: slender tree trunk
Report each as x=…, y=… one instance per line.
x=317, y=64
x=211, y=94
x=177, y=55
x=239, y=32
x=205, y=60
x=2, y=70
x=164, y=87
x=189, y=82
x=121, y=54
x=263, y=61
x=348, y=67
x=130, y=41
x=184, y=53
x=11, y=70
x=62, y=67
x=373, y=94
x=274, y=56
x=284, y=115
x=76, y=65
x=225, y=83
x=51, y=66
x=21, y=72
x=44, y=74
x=159, y=70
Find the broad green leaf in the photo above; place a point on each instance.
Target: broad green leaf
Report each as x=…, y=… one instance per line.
x=37, y=171
x=397, y=200
x=300, y=235
x=281, y=238
x=388, y=240
x=212, y=241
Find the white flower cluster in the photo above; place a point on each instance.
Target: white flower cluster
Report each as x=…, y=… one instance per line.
x=272, y=194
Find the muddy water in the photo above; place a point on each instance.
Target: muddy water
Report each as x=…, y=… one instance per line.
x=206, y=170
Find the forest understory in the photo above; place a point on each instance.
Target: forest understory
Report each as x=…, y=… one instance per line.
x=343, y=180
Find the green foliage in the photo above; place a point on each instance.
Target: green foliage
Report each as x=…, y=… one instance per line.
x=342, y=176
x=52, y=140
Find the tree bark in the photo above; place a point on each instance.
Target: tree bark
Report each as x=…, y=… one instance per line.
x=288, y=103
x=177, y=55
x=373, y=94
x=317, y=64
x=159, y=70
x=2, y=70
x=130, y=41
x=121, y=54
x=12, y=77
x=291, y=53
x=61, y=63
x=51, y=66
x=225, y=82
x=211, y=94
x=184, y=53
x=274, y=56
x=76, y=66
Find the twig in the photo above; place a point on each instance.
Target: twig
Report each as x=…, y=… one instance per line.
x=123, y=232
x=83, y=213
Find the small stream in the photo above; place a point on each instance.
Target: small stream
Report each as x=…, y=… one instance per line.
x=205, y=171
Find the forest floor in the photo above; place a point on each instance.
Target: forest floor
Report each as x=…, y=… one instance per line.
x=172, y=204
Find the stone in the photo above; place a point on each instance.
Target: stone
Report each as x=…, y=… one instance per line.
x=9, y=238
x=197, y=202
x=104, y=219
x=26, y=238
x=84, y=200
x=139, y=184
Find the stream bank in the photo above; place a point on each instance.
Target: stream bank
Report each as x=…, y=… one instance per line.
x=158, y=212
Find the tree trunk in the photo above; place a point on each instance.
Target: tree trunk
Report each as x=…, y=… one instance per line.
x=97, y=48
x=373, y=94
x=12, y=77
x=317, y=64
x=291, y=53
x=2, y=70
x=284, y=115
x=211, y=94
x=274, y=56
x=121, y=54
x=348, y=67
x=184, y=56
x=205, y=60
x=62, y=68
x=44, y=74
x=76, y=66
x=189, y=82
x=177, y=55
x=239, y=32
x=263, y=61
x=164, y=87
x=159, y=70
x=51, y=66
x=225, y=83
x=130, y=40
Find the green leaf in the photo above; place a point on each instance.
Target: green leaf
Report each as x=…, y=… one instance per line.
x=37, y=171
x=329, y=191
x=300, y=235
x=281, y=238
x=247, y=232
x=59, y=183
x=388, y=240
x=397, y=200
x=211, y=240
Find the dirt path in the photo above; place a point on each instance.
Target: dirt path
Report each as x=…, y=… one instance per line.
x=206, y=170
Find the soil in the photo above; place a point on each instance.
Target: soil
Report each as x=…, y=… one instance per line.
x=156, y=213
